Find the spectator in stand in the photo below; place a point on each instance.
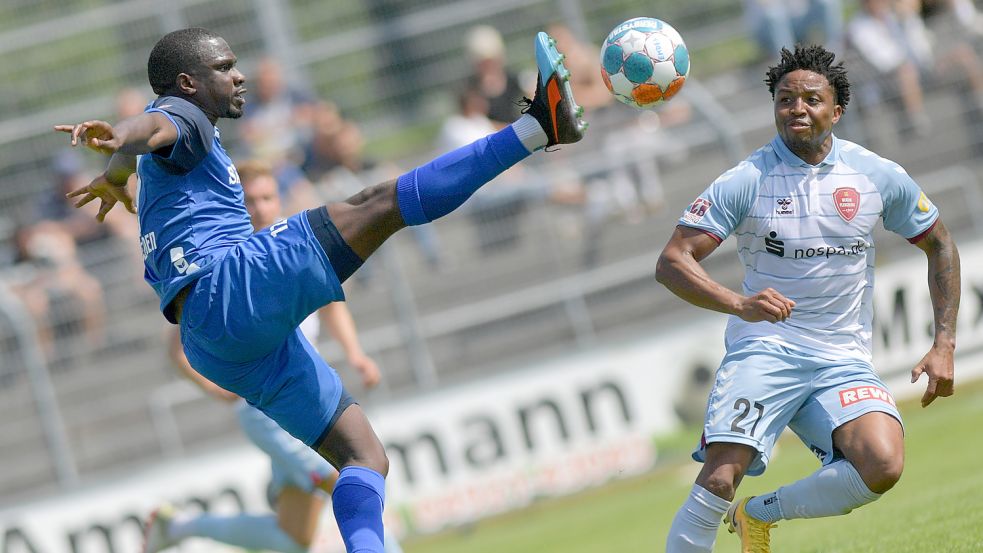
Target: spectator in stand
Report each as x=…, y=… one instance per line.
x=319, y=153
x=952, y=26
x=277, y=116
x=60, y=295
x=499, y=209
x=783, y=23
x=891, y=44
x=491, y=77
x=353, y=171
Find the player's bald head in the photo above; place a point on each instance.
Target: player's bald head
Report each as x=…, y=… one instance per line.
x=180, y=51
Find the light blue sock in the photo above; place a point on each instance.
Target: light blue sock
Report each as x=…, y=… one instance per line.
x=765, y=507
x=248, y=531
x=358, y=499
x=694, y=528
x=835, y=489
x=441, y=186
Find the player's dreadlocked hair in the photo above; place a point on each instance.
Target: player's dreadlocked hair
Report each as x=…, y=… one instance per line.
x=177, y=52
x=816, y=59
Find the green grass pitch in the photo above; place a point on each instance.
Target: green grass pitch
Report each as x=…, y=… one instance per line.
x=936, y=508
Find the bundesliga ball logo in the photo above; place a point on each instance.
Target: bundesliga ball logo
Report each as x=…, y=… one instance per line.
x=644, y=61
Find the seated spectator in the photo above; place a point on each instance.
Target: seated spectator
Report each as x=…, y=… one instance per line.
x=277, y=115
x=319, y=155
x=353, y=171
x=491, y=76
x=120, y=230
x=953, y=26
x=775, y=24
x=61, y=296
x=891, y=46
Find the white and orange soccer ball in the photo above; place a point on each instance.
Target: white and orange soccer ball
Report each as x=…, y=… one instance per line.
x=644, y=61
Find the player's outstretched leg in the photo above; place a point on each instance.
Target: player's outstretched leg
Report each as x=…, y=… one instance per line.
x=437, y=188
x=166, y=528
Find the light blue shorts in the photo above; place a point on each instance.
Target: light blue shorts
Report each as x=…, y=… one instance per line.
x=762, y=387
x=292, y=463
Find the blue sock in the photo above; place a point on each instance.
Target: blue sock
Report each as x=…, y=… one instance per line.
x=441, y=186
x=358, y=497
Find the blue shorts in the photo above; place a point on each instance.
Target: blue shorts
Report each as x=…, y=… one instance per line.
x=292, y=463
x=239, y=322
x=762, y=387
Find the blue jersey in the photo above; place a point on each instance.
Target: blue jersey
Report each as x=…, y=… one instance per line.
x=191, y=205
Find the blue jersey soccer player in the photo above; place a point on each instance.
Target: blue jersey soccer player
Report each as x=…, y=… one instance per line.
x=300, y=477
x=239, y=297
x=798, y=342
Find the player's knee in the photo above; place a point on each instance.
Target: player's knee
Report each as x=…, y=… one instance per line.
x=721, y=481
x=380, y=463
x=882, y=473
x=374, y=458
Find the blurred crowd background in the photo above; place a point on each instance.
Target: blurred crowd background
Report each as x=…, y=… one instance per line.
x=556, y=255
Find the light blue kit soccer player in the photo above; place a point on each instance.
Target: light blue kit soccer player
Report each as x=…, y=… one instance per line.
x=798, y=343
x=239, y=297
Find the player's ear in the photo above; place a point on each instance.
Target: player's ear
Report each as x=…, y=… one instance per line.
x=186, y=84
x=837, y=113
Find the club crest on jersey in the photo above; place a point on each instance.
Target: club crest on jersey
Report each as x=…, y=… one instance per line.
x=696, y=210
x=784, y=206
x=847, y=202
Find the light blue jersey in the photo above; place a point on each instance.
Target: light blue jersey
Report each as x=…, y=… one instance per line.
x=191, y=204
x=806, y=231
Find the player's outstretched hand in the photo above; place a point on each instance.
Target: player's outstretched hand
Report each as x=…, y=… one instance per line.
x=767, y=305
x=108, y=193
x=938, y=365
x=97, y=135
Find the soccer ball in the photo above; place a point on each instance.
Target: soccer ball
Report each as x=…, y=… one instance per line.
x=644, y=62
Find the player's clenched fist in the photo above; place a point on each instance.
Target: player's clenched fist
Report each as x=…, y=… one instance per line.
x=767, y=305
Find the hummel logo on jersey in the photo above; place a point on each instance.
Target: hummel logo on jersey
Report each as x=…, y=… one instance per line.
x=776, y=247
x=784, y=206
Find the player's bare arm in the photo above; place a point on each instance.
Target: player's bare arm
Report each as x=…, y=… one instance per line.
x=680, y=271
x=341, y=326
x=944, y=288
x=141, y=134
